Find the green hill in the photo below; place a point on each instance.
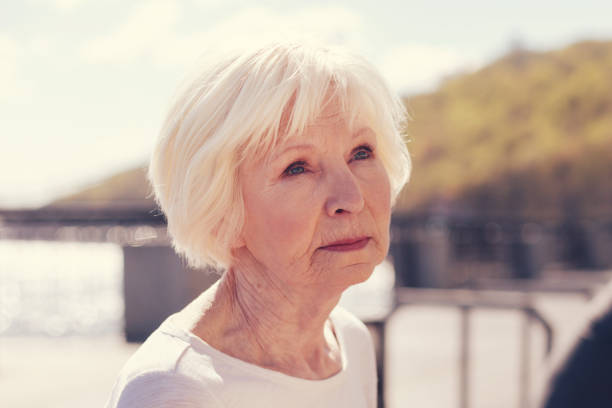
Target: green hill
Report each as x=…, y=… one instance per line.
x=529, y=135
x=129, y=189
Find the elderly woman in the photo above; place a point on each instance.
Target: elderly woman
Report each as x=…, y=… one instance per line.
x=278, y=165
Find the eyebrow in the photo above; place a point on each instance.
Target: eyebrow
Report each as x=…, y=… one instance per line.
x=310, y=146
x=291, y=148
x=364, y=130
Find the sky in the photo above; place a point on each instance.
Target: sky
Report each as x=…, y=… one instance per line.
x=85, y=84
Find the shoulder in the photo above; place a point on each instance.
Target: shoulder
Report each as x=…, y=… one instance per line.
x=160, y=352
x=153, y=377
x=162, y=389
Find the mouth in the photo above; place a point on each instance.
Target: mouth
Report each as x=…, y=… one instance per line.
x=352, y=244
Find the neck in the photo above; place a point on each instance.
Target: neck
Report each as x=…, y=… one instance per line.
x=270, y=323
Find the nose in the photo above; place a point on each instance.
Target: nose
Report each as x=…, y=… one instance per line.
x=344, y=194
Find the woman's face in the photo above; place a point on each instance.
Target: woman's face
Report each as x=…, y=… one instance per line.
x=318, y=208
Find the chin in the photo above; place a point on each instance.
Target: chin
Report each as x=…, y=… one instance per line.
x=343, y=269
x=357, y=273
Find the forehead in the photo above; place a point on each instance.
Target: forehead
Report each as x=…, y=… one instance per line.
x=332, y=118
x=336, y=118
x=325, y=130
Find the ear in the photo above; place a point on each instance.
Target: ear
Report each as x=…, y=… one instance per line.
x=237, y=247
x=238, y=242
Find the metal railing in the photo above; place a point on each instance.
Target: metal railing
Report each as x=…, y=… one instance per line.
x=468, y=300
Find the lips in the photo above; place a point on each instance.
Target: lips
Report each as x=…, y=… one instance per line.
x=352, y=244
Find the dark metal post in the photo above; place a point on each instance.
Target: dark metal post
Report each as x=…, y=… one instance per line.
x=464, y=358
x=377, y=328
x=525, y=357
x=380, y=364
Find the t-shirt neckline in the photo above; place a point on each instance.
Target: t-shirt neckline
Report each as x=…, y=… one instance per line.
x=170, y=327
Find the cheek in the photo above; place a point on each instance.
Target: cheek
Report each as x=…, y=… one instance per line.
x=285, y=223
x=383, y=218
x=279, y=224
x=379, y=194
x=378, y=190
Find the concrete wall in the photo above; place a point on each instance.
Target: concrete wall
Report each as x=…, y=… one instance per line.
x=156, y=284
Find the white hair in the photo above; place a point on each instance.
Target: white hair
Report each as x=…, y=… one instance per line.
x=241, y=106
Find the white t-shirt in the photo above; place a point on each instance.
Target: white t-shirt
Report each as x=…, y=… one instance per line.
x=175, y=368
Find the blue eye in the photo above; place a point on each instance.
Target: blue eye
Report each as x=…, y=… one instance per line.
x=362, y=153
x=295, y=168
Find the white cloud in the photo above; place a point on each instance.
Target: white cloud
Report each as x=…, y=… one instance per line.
x=13, y=87
x=145, y=30
x=332, y=24
x=42, y=46
x=68, y=4
x=207, y=4
x=417, y=68
x=8, y=56
x=62, y=5
x=151, y=31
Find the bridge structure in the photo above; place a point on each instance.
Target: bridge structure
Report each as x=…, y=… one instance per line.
x=156, y=282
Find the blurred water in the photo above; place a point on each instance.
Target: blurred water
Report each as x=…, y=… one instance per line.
x=59, y=288
x=61, y=304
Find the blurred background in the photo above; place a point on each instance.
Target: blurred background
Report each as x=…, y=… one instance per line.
x=500, y=242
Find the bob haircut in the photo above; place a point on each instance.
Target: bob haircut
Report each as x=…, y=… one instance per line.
x=239, y=107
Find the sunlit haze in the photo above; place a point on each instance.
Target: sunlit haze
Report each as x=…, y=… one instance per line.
x=84, y=84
